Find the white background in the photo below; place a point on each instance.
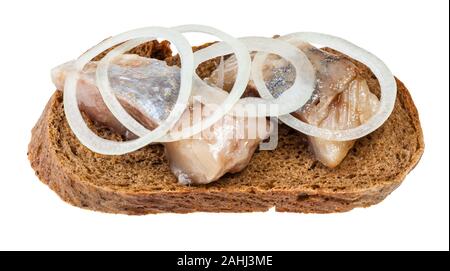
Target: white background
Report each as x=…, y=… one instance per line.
x=410, y=36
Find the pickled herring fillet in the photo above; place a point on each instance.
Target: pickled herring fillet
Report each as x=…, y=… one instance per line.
x=351, y=108
x=226, y=147
x=341, y=99
x=148, y=89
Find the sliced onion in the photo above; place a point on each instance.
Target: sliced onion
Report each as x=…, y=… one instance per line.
x=130, y=123
x=301, y=90
x=109, y=147
x=289, y=101
x=385, y=78
x=244, y=64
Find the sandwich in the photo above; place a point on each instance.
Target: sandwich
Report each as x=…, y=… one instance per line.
x=238, y=125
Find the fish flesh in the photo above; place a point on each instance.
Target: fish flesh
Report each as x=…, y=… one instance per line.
x=341, y=99
x=148, y=89
x=225, y=147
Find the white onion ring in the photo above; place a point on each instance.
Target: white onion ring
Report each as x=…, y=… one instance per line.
x=109, y=147
x=301, y=90
x=385, y=78
x=130, y=123
x=291, y=99
x=244, y=64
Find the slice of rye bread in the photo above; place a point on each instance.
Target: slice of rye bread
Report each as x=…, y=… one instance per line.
x=288, y=178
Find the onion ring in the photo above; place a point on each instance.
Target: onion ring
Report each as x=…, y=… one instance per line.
x=109, y=147
x=130, y=123
x=292, y=99
x=385, y=78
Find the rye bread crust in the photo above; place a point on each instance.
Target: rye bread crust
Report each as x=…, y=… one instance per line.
x=288, y=178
